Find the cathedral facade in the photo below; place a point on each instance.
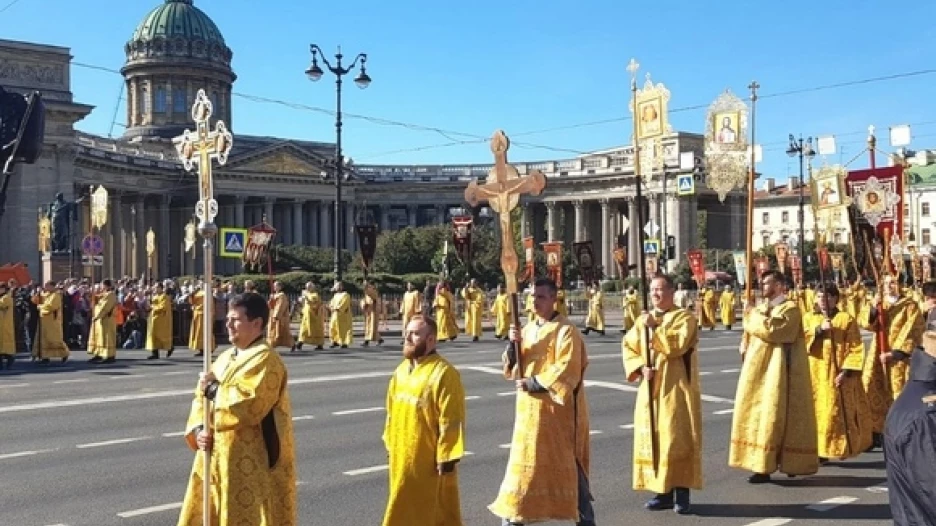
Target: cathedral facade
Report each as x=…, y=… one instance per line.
x=177, y=50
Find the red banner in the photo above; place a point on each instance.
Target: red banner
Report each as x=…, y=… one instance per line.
x=554, y=261
x=781, y=251
x=697, y=265
x=529, y=272
x=259, y=241
x=878, y=195
x=461, y=237
x=824, y=259
x=763, y=265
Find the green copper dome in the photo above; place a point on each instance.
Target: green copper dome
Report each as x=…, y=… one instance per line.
x=177, y=19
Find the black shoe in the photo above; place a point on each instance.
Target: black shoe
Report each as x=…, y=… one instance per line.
x=298, y=347
x=601, y=333
x=334, y=345
x=318, y=347
x=96, y=359
x=109, y=360
x=199, y=354
x=759, y=478
x=586, y=331
x=474, y=339
x=663, y=501
x=380, y=341
x=344, y=346
x=168, y=353
x=681, y=503
x=366, y=343
x=153, y=355
x=65, y=359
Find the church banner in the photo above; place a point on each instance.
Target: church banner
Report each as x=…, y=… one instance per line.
x=652, y=263
x=762, y=265
x=585, y=256
x=838, y=265
x=259, y=242
x=529, y=272
x=620, y=259
x=697, y=265
x=553, y=252
x=927, y=268
x=877, y=195
x=796, y=265
x=461, y=237
x=823, y=259
x=740, y=265
x=781, y=251
x=367, y=240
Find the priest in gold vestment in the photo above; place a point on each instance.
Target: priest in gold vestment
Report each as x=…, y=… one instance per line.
x=7, y=327
x=103, y=340
x=631, y=306
x=561, y=306
x=49, y=342
x=887, y=365
x=726, y=307
x=159, y=328
x=707, y=308
x=279, y=333
x=595, y=320
x=547, y=471
x=311, y=325
x=253, y=463
x=474, y=308
x=372, y=306
x=196, y=332
x=424, y=433
x=774, y=421
x=673, y=378
x=500, y=310
x=340, y=326
x=409, y=307
x=836, y=352
x=444, y=305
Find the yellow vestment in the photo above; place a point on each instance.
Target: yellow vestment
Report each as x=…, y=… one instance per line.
x=104, y=326
x=707, y=310
x=774, y=422
x=677, y=403
x=838, y=409
x=279, y=333
x=196, y=334
x=726, y=304
x=550, y=436
x=445, y=317
x=49, y=342
x=806, y=300
x=340, y=327
x=253, y=464
x=903, y=330
x=474, y=306
x=411, y=306
x=425, y=427
x=311, y=328
x=7, y=326
x=631, y=306
x=501, y=312
x=561, y=306
x=595, y=320
x=528, y=307
x=372, y=307
x=159, y=332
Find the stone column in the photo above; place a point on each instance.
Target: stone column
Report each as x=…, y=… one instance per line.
x=268, y=210
x=525, y=220
x=324, y=224
x=349, y=231
x=139, y=228
x=579, y=207
x=384, y=218
x=440, y=214
x=633, y=234
x=239, y=203
x=605, y=246
x=412, y=212
x=164, y=236
x=552, y=219
x=116, y=226
x=298, y=238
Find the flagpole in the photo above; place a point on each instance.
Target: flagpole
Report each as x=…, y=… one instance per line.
x=749, y=249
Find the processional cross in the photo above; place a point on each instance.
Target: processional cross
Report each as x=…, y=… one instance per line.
x=201, y=147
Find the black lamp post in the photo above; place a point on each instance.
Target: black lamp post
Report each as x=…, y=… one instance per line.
x=802, y=149
x=362, y=80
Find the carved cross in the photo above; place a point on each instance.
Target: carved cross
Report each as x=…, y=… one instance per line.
x=502, y=192
x=201, y=147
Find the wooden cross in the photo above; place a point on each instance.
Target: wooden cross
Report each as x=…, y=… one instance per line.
x=502, y=192
x=200, y=147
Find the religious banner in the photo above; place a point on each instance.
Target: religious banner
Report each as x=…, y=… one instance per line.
x=697, y=265
x=367, y=240
x=652, y=263
x=915, y=264
x=529, y=273
x=553, y=252
x=877, y=195
x=259, y=242
x=740, y=266
x=796, y=265
x=726, y=144
x=781, y=251
x=823, y=253
x=461, y=237
x=45, y=233
x=927, y=268
x=585, y=256
x=190, y=238
x=762, y=265
x=828, y=183
x=838, y=265
x=620, y=259
x=99, y=204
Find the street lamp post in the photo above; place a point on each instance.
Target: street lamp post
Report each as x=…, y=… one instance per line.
x=801, y=148
x=362, y=81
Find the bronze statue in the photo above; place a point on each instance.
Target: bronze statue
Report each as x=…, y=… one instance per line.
x=62, y=214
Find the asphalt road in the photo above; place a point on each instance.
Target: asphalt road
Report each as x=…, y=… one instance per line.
x=84, y=445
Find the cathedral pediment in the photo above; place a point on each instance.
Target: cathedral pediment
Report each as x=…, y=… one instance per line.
x=278, y=162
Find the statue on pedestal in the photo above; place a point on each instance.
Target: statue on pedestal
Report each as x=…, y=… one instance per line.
x=62, y=214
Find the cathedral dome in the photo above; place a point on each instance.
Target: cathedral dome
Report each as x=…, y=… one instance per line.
x=178, y=19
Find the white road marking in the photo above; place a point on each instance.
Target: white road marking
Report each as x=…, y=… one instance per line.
x=25, y=453
x=72, y=381
x=472, y=397
x=731, y=370
x=505, y=446
x=176, y=373
x=11, y=386
x=303, y=417
x=364, y=471
x=705, y=373
x=877, y=489
x=507, y=393
x=122, y=376
x=595, y=432
x=357, y=411
x=627, y=426
x=769, y=522
x=717, y=399
x=831, y=504
x=151, y=509
x=174, y=434
x=723, y=412
x=111, y=442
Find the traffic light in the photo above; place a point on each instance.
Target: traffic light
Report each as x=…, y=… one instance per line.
x=22, y=128
x=670, y=248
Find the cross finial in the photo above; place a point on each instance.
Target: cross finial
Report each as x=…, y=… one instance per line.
x=632, y=68
x=871, y=131
x=753, y=86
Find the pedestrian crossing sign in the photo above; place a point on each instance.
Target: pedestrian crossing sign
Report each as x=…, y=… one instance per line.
x=651, y=247
x=232, y=242
x=685, y=184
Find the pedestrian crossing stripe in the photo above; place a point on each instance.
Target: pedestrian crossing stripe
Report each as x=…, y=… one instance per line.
x=685, y=184
x=232, y=242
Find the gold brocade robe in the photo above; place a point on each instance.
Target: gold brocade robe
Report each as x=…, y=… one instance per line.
x=774, y=421
x=159, y=332
x=500, y=310
x=726, y=307
x=103, y=340
x=882, y=384
x=855, y=300
x=196, y=333
x=838, y=409
x=528, y=307
x=631, y=309
x=279, y=334
x=252, y=421
x=677, y=403
x=7, y=326
x=340, y=328
x=372, y=307
x=561, y=306
x=806, y=300
x=425, y=427
x=311, y=326
x=474, y=307
x=707, y=310
x=550, y=435
x=49, y=342
x=411, y=306
x=595, y=319
x=445, y=317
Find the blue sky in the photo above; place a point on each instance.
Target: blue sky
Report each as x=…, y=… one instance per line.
x=526, y=65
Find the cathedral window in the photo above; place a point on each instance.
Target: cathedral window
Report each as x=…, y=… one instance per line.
x=144, y=101
x=159, y=101
x=178, y=100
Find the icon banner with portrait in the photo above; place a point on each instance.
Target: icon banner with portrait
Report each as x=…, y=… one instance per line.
x=726, y=144
x=652, y=111
x=553, y=252
x=877, y=196
x=585, y=256
x=828, y=185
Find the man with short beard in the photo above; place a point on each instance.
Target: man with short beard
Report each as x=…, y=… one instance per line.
x=424, y=433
